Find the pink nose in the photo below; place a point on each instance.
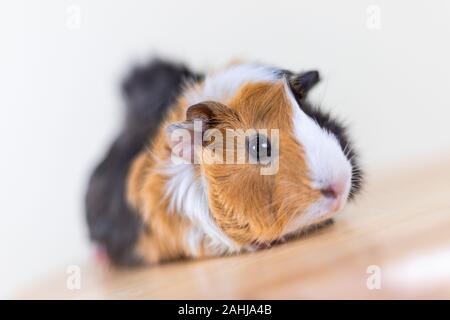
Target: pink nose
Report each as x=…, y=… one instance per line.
x=334, y=190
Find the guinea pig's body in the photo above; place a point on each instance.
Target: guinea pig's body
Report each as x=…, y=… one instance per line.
x=156, y=198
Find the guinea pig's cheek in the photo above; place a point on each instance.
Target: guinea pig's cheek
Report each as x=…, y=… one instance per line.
x=233, y=226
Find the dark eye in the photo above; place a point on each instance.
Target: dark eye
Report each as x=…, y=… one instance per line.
x=259, y=148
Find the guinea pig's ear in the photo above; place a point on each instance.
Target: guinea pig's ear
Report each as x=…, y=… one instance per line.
x=181, y=136
x=209, y=112
x=301, y=83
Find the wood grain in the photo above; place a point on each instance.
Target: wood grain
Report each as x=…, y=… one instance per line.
x=401, y=223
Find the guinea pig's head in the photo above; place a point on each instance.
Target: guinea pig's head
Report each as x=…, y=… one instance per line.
x=272, y=165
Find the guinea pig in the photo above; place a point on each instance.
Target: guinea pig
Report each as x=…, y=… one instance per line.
x=217, y=164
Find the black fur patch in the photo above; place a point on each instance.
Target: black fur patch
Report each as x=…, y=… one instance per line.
x=148, y=92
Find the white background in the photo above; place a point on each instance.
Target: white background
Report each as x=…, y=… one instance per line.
x=60, y=105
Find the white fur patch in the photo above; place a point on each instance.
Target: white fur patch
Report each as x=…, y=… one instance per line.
x=188, y=196
x=223, y=85
x=325, y=159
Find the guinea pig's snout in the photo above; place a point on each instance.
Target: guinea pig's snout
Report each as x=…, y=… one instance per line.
x=334, y=190
x=336, y=193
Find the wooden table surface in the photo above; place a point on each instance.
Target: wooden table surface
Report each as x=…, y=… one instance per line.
x=398, y=229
